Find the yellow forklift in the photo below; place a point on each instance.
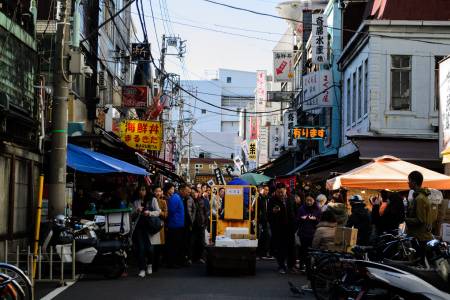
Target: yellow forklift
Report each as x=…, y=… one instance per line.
x=233, y=230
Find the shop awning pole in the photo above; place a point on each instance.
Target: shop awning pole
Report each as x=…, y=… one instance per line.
x=38, y=224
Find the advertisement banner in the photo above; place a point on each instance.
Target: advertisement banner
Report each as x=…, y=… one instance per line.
x=283, y=68
x=254, y=127
x=290, y=121
x=261, y=90
x=309, y=133
x=244, y=147
x=263, y=146
x=142, y=135
x=317, y=90
x=319, y=40
x=135, y=96
x=275, y=141
x=252, y=153
x=444, y=105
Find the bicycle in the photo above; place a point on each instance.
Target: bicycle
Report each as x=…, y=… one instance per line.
x=14, y=283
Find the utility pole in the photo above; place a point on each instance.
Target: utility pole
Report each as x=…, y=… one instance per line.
x=61, y=83
x=162, y=62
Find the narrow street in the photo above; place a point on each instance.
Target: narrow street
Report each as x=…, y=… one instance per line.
x=188, y=283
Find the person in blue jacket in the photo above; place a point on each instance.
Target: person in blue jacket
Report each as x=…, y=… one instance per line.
x=175, y=226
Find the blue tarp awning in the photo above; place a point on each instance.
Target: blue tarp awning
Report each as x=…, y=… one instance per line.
x=85, y=160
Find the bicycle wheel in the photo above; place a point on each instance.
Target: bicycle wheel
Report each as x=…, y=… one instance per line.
x=14, y=284
x=326, y=275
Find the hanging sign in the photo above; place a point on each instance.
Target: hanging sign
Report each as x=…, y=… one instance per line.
x=252, y=154
x=319, y=40
x=444, y=105
x=263, y=146
x=261, y=90
x=135, y=96
x=309, y=133
x=244, y=147
x=283, y=66
x=140, y=51
x=219, y=176
x=290, y=120
x=275, y=141
x=142, y=135
x=254, y=127
x=317, y=90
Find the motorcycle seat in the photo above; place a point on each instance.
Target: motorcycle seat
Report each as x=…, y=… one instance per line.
x=109, y=246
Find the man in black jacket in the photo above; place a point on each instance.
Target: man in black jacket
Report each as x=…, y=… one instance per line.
x=281, y=217
x=264, y=232
x=360, y=219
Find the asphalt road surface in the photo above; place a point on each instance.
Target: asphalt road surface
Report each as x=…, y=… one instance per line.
x=189, y=283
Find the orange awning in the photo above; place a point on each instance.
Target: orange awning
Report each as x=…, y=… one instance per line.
x=387, y=172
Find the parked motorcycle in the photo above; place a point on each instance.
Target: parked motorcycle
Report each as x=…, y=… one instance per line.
x=92, y=255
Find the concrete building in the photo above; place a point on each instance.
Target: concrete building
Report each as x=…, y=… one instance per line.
x=390, y=81
x=216, y=131
x=201, y=170
x=20, y=127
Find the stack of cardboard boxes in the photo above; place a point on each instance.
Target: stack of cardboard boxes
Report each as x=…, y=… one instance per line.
x=444, y=220
x=345, y=239
x=237, y=237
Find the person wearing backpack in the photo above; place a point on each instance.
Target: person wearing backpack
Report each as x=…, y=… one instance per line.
x=417, y=219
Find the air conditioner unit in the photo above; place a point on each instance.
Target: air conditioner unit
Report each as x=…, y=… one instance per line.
x=102, y=80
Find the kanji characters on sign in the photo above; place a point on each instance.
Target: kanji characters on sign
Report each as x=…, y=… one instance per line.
x=142, y=135
x=319, y=40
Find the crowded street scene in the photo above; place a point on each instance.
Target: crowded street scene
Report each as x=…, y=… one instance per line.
x=226, y=149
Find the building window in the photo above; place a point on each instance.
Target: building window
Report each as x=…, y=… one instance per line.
x=437, y=59
x=360, y=98
x=203, y=111
x=108, y=11
x=366, y=87
x=400, y=82
x=228, y=79
x=349, y=104
x=355, y=100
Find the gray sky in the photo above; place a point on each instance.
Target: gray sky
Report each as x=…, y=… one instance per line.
x=209, y=50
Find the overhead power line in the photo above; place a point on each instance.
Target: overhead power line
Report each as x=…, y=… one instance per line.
x=327, y=26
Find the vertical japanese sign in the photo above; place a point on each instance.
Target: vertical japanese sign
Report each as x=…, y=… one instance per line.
x=254, y=126
x=290, y=121
x=261, y=90
x=275, y=141
x=244, y=147
x=263, y=146
x=238, y=163
x=317, y=90
x=252, y=154
x=319, y=41
x=444, y=105
x=140, y=51
x=142, y=135
x=283, y=69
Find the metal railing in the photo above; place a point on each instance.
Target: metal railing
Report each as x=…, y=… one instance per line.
x=51, y=266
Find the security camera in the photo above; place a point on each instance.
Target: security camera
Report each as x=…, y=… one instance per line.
x=87, y=71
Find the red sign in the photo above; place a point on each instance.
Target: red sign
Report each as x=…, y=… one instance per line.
x=253, y=128
x=289, y=181
x=135, y=96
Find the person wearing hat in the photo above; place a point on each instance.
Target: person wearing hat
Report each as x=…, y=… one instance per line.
x=360, y=219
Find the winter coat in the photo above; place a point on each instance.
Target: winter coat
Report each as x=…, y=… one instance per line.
x=164, y=214
x=262, y=209
x=285, y=218
x=340, y=212
x=201, y=218
x=190, y=211
x=308, y=217
x=324, y=236
x=360, y=219
x=417, y=216
x=176, y=212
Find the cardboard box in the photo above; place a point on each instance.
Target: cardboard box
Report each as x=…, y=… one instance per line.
x=341, y=248
x=345, y=236
x=235, y=236
x=235, y=230
x=222, y=241
x=246, y=243
x=445, y=232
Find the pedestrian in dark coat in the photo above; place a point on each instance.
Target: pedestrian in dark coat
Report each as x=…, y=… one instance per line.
x=264, y=232
x=390, y=219
x=308, y=217
x=281, y=218
x=360, y=219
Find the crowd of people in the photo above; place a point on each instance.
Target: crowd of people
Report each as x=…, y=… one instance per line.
x=288, y=224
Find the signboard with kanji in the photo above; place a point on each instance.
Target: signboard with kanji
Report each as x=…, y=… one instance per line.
x=140, y=51
x=444, y=105
x=261, y=90
x=319, y=39
x=309, y=133
x=290, y=121
x=275, y=141
x=263, y=146
x=254, y=127
x=142, y=135
x=317, y=90
x=283, y=68
x=252, y=153
x=135, y=96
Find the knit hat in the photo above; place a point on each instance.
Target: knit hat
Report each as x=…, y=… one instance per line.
x=356, y=199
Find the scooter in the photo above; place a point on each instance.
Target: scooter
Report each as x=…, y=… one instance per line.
x=92, y=255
